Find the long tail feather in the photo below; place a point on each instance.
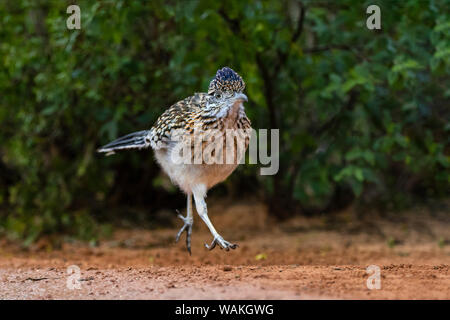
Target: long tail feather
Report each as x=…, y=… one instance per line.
x=135, y=140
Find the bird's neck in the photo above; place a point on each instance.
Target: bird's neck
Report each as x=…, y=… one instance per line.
x=232, y=112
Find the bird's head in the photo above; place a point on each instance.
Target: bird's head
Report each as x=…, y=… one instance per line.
x=226, y=89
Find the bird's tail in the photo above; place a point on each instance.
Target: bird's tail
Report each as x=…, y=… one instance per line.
x=135, y=140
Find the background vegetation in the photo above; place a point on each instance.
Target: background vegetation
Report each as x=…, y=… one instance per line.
x=363, y=114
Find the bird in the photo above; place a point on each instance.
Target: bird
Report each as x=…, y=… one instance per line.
x=219, y=110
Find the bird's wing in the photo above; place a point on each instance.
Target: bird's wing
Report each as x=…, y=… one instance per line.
x=180, y=118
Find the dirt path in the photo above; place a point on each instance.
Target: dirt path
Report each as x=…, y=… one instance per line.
x=319, y=258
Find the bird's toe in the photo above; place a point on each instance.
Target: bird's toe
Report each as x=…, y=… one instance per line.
x=223, y=244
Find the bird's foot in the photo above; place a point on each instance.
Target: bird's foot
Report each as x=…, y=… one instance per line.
x=188, y=228
x=222, y=243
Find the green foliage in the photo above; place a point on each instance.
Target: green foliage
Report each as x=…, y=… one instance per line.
x=363, y=114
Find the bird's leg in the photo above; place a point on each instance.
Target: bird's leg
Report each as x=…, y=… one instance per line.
x=202, y=211
x=188, y=222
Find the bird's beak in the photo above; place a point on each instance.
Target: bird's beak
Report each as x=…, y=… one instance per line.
x=241, y=96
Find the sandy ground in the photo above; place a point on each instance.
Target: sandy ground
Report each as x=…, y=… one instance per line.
x=315, y=258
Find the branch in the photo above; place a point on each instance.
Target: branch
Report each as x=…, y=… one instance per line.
x=333, y=121
x=268, y=93
x=282, y=56
x=234, y=24
x=300, y=23
x=327, y=48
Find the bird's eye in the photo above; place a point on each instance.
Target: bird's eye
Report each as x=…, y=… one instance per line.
x=218, y=95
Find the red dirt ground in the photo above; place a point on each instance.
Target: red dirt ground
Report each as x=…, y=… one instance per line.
x=315, y=258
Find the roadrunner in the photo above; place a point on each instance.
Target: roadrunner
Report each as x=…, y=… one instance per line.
x=221, y=110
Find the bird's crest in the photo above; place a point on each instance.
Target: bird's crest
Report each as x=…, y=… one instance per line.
x=226, y=80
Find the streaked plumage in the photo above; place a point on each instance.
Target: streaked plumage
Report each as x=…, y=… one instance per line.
x=221, y=108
